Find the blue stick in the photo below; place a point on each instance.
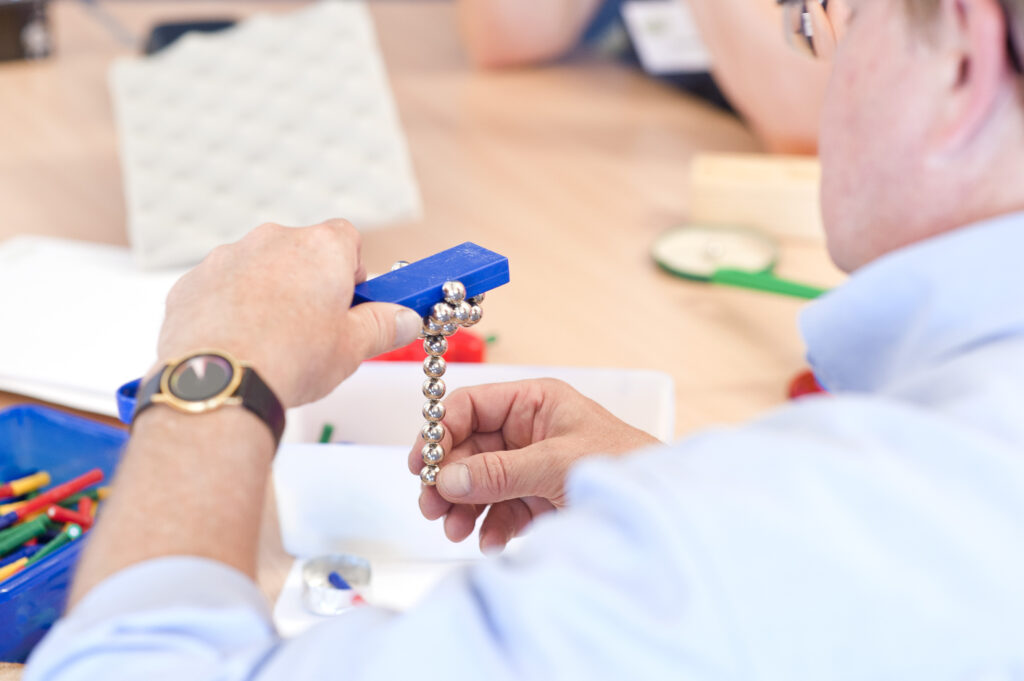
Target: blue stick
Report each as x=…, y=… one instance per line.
x=23, y=552
x=338, y=582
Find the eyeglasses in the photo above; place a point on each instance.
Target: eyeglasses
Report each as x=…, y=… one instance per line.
x=810, y=26
x=813, y=27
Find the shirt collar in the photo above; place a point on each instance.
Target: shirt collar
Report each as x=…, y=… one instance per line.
x=919, y=306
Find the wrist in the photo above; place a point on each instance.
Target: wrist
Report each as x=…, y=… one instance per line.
x=233, y=424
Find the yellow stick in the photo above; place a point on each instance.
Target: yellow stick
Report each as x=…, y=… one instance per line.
x=30, y=483
x=7, y=508
x=12, y=569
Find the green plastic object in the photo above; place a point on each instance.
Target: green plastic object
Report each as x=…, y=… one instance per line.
x=70, y=534
x=726, y=255
x=326, y=433
x=12, y=539
x=767, y=283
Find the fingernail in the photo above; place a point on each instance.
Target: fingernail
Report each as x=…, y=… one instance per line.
x=454, y=480
x=407, y=327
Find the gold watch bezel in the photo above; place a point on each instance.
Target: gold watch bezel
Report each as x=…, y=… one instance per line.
x=224, y=397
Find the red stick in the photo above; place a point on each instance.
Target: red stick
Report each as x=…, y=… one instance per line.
x=59, y=514
x=55, y=494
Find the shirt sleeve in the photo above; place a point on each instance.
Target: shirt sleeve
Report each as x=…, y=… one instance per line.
x=836, y=539
x=584, y=599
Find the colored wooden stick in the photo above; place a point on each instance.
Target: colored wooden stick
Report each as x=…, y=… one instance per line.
x=51, y=497
x=68, y=535
x=24, y=552
x=13, y=569
x=13, y=538
x=85, y=508
x=59, y=514
x=96, y=494
x=29, y=483
x=7, y=508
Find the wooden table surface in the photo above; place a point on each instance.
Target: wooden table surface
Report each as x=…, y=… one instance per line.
x=571, y=171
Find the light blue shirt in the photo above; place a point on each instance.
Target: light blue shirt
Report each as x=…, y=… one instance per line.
x=877, y=533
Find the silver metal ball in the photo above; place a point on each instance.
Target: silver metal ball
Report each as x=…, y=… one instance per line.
x=433, y=388
x=433, y=410
x=429, y=475
x=476, y=300
x=399, y=265
x=454, y=292
x=449, y=329
x=435, y=346
x=434, y=367
x=432, y=432
x=431, y=327
x=462, y=312
x=476, y=313
x=432, y=453
x=442, y=313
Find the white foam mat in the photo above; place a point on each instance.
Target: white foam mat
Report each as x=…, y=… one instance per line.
x=284, y=118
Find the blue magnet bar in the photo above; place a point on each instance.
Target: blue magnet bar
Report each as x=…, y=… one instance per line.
x=418, y=285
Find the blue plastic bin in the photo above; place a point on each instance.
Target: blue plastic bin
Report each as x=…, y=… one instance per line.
x=37, y=438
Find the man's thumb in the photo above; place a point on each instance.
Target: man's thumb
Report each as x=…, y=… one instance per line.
x=498, y=476
x=380, y=327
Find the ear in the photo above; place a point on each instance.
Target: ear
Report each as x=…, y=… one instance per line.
x=979, y=73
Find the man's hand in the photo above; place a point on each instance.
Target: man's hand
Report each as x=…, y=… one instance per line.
x=510, y=446
x=279, y=299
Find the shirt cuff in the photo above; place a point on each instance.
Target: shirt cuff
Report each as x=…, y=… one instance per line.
x=164, y=603
x=169, y=583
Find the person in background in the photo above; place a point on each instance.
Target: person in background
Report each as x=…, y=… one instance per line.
x=874, y=533
x=776, y=91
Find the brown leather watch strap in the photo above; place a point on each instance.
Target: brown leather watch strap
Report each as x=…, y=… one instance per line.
x=258, y=398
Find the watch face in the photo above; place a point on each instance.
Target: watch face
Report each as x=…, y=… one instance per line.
x=200, y=378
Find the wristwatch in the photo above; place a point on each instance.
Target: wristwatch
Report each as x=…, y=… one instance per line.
x=206, y=380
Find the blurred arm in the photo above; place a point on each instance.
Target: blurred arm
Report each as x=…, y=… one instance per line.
x=776, y=89
x=500, y=33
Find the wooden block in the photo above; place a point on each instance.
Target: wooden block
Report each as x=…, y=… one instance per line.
x=776, y=194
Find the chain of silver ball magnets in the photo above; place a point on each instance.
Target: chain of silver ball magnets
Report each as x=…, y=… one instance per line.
x=444, y=320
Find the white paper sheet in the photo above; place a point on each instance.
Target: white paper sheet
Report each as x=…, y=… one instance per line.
x=76, y=320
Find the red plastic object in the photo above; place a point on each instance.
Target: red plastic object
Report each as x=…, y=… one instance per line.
x=465, y=346
x=804, y=384
x=51, y=496
x=59, y=514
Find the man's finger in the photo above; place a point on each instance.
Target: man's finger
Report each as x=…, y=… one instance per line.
x=506, y=408
x=432, y=504
x=377, y=328
x=504, y=521
x=461, y=520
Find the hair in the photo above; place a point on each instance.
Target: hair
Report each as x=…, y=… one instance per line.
x=924, y=10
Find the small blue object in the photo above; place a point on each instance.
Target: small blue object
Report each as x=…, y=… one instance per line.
x=418, y=285
x=126, y=400
x=338, y=582
x=8, y=519
x=38, y=438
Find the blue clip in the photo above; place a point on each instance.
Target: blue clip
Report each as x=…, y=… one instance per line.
x=418, y=285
